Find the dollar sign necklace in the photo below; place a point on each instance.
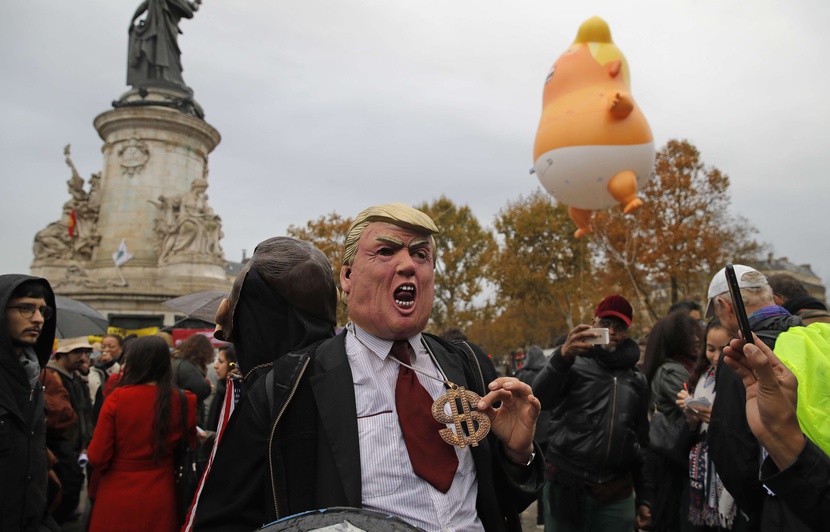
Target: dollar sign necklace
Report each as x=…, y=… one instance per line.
x=471, y=426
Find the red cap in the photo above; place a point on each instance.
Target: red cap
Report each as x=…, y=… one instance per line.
x=617, y=306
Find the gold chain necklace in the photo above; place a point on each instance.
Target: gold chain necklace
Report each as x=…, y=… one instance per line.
x=471, y=426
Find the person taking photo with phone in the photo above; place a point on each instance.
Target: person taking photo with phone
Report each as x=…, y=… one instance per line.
x=599, y=426
x=734, y=450
x=795, y=467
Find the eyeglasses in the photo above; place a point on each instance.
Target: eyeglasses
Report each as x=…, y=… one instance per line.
x=27, y=311
x=618, y=326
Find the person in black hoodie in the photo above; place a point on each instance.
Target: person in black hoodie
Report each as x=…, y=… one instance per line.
x=599, y=428
x=26, y=339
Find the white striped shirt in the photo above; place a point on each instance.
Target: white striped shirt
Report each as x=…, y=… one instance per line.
x=389, y=483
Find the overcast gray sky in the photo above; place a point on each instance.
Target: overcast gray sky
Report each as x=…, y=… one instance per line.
x=334, y=106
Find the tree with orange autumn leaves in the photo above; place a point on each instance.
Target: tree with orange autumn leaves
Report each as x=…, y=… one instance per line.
x=541, y=272
x=528, y=279
x=682, y=235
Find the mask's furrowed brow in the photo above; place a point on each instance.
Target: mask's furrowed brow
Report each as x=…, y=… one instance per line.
x=390, y=240
x=415, y=244
x=418, y=243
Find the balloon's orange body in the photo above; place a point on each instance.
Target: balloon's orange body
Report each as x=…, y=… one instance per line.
x=594, y=147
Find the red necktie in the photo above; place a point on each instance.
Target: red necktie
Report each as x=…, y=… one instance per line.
x=432, y=458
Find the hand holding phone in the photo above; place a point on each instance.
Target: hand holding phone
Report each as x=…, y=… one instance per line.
x=582, y=339
x=602, y=338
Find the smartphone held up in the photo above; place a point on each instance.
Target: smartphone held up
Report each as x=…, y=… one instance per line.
x=602, y=337
x=738, y=302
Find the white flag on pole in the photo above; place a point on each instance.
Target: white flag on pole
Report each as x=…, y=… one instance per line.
x=121, y=255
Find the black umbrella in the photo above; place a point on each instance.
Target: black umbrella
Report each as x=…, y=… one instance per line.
x=200, y=305
x=78, y=319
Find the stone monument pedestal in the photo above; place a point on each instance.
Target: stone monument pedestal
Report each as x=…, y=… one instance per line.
x=152, y=197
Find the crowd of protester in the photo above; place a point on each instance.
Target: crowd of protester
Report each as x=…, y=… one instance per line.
x=706, y=464
x=701, y=431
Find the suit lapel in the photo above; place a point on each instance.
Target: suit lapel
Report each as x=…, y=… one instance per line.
x=334, y=394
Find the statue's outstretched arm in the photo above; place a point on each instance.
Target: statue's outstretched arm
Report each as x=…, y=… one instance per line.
x=142, y=7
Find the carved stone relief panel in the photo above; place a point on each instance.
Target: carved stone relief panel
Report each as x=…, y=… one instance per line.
x=133, y=156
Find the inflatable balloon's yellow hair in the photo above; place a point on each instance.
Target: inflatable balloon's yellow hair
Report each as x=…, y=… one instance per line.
x=597, y=35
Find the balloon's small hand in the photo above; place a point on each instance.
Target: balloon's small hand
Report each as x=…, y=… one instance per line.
x=620, y=105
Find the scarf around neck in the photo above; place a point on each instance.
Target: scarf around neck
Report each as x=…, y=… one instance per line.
x=625, y=356
x=29, y=363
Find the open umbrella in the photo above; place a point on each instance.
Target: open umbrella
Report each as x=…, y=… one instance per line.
x=77, y=319
x=200, y=305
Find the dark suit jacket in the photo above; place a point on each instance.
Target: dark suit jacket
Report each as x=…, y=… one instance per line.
x=306, y=432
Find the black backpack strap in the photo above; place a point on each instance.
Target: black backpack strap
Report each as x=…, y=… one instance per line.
x=768, y=337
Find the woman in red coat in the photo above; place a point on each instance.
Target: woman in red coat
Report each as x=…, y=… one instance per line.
x=139, y=427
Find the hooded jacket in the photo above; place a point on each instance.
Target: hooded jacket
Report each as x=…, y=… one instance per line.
x=260, y=307
x=265, y=330
x=23, y=466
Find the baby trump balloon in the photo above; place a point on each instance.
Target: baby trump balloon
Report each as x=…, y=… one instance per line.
x=594, y=148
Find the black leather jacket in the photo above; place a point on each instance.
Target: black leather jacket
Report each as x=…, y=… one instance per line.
x=600, y=416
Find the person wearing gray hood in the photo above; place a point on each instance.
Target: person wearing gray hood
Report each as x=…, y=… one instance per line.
x=26, y=339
